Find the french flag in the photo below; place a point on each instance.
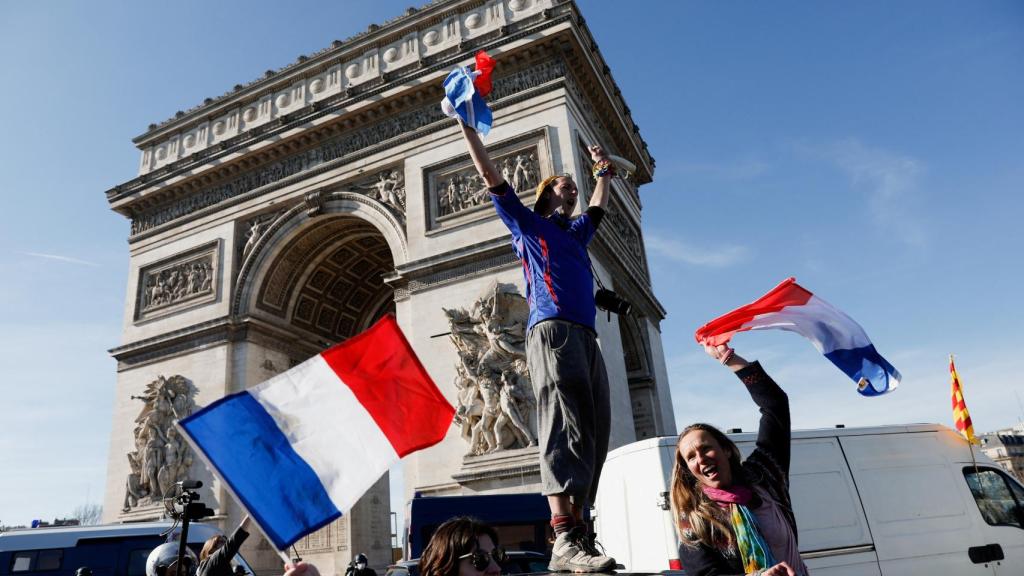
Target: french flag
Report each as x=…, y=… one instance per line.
x=300, y=449
x=465, y=91
x=791, y=307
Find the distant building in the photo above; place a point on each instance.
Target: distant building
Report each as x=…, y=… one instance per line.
x=1006, y=448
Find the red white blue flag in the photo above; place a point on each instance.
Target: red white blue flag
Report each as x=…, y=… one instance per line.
x=465, y=90
x=791, y=307
x=301, y=448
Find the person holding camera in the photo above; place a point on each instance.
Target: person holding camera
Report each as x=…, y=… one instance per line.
x=566, y=366
x=359, y=566
x=215, y=557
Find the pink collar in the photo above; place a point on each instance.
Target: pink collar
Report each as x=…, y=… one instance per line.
x=737, y=494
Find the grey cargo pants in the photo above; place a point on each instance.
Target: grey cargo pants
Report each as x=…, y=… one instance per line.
x=573, y=409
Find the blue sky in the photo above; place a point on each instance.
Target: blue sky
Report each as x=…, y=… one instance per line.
x=873, y=150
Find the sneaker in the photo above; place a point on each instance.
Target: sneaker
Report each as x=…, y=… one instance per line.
x=574, y=552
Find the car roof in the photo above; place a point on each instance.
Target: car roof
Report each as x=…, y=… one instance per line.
x=68, y=536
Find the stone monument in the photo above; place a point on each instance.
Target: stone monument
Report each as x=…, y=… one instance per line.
x=293, y=211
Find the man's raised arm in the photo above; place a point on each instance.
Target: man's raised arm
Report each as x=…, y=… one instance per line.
x=481, y=160
x=603, y=173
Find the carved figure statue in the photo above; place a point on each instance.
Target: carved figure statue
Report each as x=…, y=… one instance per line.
x=495, y=399
x=161, y=457
x=465, y=189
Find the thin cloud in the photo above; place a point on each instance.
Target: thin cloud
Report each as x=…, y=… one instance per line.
x=725, y=171
x=891, y=182
x=680, y=251
x=59, y=258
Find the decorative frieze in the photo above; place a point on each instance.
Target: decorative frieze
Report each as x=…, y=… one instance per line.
x=330, y=150
x=352, y=70
x=178, y=282
x=456, y=194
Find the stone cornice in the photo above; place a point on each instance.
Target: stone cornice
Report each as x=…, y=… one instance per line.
x=194, y=128
x=409, y=42
x=304, y=65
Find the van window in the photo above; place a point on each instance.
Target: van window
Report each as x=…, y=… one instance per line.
x=36, y=560
x=995, y=499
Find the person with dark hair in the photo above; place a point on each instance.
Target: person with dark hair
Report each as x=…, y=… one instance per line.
x=736, y=517
x=566, y=366
x=215, y=557
x=462, y=546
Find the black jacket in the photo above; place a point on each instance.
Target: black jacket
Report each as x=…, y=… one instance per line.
x=219, y=563
x=767, y=467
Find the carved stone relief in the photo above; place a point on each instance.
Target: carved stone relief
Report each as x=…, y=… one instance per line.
x=386, y=187
x=457, y=194
x=392, y=127
x=253, y=229
x=495, y=398
x=161, y=456
x=465, y=188
x=181, y=281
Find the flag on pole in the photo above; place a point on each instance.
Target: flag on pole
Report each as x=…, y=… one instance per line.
x=300, y=449
x=961, y=417
x=465, y=90
x=791, y=307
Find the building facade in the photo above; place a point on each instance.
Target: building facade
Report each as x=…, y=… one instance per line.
x=292, y=212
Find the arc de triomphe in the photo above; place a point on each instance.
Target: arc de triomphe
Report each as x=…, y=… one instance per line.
x=293, y=211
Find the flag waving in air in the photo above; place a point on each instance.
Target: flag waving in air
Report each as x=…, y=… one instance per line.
x=301, y=448
x=465, y=91
x=961, y=417
x=791, y=307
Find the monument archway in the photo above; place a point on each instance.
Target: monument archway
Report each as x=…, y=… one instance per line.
x=320, y=267
x=312, y=277
x=293, y=211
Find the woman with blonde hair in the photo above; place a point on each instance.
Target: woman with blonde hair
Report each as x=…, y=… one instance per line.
x=462, y=546
x=736, y=517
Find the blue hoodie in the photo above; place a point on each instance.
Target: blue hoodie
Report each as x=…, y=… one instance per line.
x=559, y=281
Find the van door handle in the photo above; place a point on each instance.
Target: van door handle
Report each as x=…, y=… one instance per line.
x=985, y=554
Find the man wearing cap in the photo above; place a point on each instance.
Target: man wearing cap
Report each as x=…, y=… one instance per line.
x=566, y=366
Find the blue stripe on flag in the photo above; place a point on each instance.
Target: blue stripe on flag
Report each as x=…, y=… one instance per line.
x=251, y=454
x=865, y=362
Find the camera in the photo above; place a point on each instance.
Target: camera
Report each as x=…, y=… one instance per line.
x=610, y=302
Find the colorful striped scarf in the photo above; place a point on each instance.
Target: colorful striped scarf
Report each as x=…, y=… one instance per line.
x=754, y=552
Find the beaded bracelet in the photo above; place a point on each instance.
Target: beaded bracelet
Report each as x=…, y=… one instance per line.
x=604, y=168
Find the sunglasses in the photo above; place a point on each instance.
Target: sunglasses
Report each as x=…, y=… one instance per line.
x=480, y=559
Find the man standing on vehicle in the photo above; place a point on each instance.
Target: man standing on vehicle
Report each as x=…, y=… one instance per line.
x=566, y=366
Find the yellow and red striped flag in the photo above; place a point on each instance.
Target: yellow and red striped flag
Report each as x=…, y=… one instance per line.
x=961, y=417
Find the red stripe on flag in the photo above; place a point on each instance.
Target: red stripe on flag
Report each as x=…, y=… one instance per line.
x=387, y=378
x=721, y=329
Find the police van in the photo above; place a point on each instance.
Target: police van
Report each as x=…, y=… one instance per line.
x=109, y=550
x=883, y=501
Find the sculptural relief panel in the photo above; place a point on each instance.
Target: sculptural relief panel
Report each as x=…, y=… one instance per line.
x=457, y=194
x=332, y=149
x=160, y=457
x=182, y=281
x=495, y=403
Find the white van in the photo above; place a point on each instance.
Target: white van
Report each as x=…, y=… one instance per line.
x=109, y=550
x=887, y=501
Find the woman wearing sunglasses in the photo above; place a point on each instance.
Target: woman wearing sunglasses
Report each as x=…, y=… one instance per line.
x=462, y=546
